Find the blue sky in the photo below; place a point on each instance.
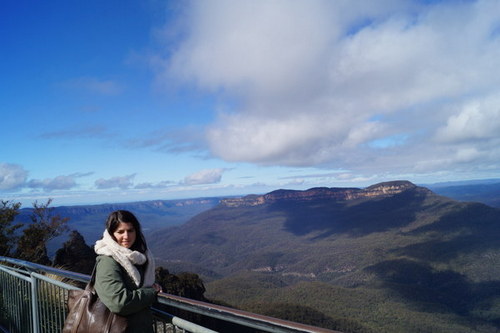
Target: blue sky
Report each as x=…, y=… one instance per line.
x=112, y=101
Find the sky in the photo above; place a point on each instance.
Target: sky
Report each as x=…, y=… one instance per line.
x=127, y=100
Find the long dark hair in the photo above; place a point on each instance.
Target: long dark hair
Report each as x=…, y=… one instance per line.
x=125, y=216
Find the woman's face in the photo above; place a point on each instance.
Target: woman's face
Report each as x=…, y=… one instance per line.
x=125, y=234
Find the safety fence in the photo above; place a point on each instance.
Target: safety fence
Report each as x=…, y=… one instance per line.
x=33, y=299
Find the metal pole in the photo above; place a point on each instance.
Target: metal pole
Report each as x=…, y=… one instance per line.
x=34, y=304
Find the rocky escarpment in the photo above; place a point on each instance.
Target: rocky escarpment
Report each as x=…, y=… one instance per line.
x=318, y=193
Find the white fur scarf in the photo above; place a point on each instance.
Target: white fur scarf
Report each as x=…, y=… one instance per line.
x=127, y=259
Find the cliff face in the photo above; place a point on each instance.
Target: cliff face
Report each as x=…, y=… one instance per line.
x=340, y=194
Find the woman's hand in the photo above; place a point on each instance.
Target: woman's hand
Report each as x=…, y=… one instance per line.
x=157, y=288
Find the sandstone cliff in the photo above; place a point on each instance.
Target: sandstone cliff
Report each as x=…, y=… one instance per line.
x=340, y=194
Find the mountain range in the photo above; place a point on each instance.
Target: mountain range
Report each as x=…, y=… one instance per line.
x=486, y=191
x=392, y=257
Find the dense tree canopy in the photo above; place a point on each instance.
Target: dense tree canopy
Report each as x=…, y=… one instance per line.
x=46, y=225
x=75, y=255
x=187, y=285
x=8, y=212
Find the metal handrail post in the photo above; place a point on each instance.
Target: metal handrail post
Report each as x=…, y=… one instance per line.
x=34, y=304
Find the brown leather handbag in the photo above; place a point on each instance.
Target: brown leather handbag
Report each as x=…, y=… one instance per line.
x=87, y=314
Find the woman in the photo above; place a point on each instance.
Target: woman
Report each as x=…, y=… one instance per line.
x=125, y=271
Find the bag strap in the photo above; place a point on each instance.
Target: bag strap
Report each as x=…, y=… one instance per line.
x=90, y=285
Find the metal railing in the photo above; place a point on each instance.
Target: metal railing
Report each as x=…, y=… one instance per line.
x=33, y=299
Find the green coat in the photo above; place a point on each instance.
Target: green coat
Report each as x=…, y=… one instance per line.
x=119, y=293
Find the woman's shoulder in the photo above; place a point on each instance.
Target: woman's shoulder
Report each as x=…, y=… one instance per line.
x=106, y=261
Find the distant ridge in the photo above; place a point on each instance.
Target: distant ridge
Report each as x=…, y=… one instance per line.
x=487, y=192
x=317, y=193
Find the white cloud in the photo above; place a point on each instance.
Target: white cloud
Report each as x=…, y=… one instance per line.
x=332, y=83
x=207, y=176
x=123, y=182
x=57, y=183
x=63, y=182
x=12, y=176
x=478, y=119
x=159, y=185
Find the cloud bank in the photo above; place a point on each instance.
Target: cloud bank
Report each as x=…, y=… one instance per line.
x=121, y=182
x=15, y=177
x=206, y=176
x=409, y=86
x=12, y=176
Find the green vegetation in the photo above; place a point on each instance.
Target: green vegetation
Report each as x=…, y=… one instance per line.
x=75, y=255
x=360, y=309
x=8, y=212
x=183, y=284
